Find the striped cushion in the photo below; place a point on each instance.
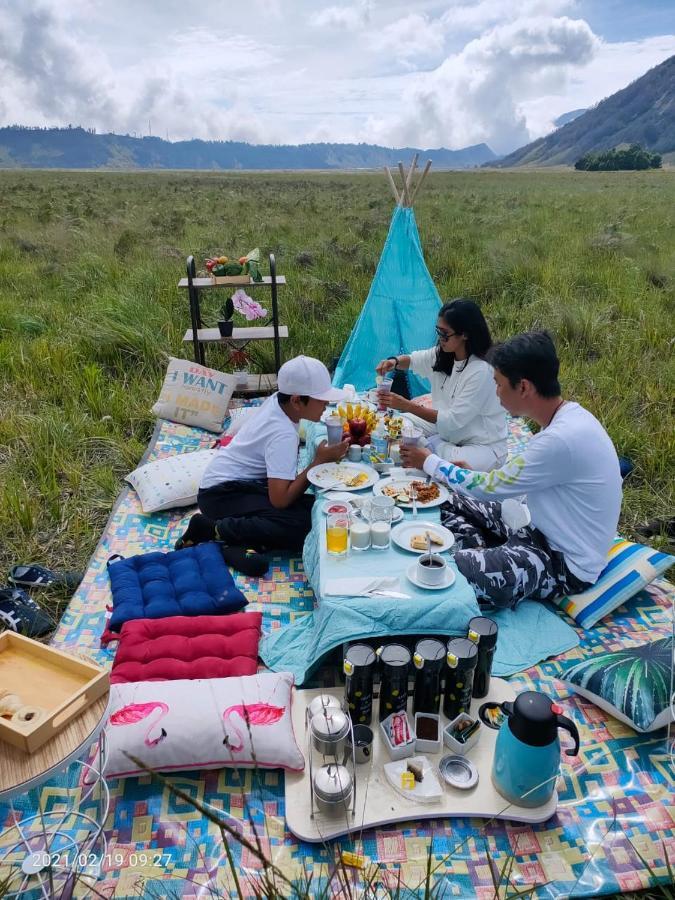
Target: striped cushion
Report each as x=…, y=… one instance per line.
x=630, y=567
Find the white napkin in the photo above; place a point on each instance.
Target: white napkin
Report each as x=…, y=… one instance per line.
x=358, y=586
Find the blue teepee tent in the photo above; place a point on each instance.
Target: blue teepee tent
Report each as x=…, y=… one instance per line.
x=400, y=311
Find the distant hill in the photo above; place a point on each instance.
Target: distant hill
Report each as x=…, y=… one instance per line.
x=568, y=117
x=78, y=148
x=643, y=113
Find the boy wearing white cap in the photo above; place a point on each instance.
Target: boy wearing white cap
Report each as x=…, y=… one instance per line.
x=250, y=494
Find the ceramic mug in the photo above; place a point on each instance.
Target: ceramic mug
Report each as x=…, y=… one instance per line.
x=363, y=741
x=431, y=569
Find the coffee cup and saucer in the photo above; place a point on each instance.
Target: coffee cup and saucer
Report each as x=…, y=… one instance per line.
x=431, y=573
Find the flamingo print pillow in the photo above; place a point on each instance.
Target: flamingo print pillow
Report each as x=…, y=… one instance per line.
x=202, y=724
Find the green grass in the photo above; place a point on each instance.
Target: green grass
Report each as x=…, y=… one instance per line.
x=89, y=308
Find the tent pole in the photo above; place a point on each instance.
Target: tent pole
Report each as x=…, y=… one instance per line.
x=392, y=185
x=422, y=177
x=411, y=172
x=406, y=197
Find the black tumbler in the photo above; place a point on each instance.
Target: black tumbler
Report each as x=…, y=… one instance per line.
x=359, y=667
x=483, y=632
x=395, y=662
x=461, y=661
x=428, y=659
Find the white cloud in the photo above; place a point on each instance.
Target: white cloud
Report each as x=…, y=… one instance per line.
x=475, y=96
x=412, y=36
x=350, y=18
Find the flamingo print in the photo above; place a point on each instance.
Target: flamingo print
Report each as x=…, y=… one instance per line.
x=252, y=714
x=136, y=712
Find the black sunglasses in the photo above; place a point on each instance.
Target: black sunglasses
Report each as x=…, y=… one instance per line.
x=444, y=335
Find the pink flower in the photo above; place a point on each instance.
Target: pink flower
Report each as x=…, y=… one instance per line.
x=247, y=306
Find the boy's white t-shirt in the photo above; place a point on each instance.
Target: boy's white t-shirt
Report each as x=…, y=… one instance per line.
x=265, y=447
x=469, y=411
x=570, y=474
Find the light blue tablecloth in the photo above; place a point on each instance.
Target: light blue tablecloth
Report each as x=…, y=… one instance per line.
x=527, y=635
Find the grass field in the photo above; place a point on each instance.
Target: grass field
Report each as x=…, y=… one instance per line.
x=89, y=308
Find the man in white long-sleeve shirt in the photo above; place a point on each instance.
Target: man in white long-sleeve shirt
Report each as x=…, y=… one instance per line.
x=569, y=473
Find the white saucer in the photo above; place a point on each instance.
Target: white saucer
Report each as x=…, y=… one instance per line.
x=411, y=575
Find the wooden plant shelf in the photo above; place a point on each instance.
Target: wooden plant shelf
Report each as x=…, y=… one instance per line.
x=213, y=336
x=199, y=336
x=258, y=385
x=219, y=283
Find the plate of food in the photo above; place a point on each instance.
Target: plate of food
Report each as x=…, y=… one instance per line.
x=412, y=536
x=402, y=489
x=344, y=476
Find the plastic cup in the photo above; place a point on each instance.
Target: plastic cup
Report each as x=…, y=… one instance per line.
x=410, y=437
x=334, y=429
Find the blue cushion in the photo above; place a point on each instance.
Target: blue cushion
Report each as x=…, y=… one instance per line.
x=190, y=582
x=630, y=567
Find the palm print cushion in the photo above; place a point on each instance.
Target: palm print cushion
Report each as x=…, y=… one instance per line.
x=634, y=685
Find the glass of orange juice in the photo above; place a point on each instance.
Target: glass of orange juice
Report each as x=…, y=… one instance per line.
x=337, y=533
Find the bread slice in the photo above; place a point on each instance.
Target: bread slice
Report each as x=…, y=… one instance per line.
x=419, y=541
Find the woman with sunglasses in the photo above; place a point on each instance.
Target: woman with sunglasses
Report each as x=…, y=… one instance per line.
x=466, y=421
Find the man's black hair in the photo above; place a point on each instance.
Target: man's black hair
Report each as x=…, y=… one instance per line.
x=532, y=356
x=284, y=398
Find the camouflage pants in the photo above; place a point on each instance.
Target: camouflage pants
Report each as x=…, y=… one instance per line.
x=504, y=567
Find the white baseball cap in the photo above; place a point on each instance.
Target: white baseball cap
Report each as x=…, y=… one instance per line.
x=307, y=377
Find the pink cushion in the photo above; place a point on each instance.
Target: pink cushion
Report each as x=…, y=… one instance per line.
x=187, y=647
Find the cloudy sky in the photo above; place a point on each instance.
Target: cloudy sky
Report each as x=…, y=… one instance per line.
x=424, y=73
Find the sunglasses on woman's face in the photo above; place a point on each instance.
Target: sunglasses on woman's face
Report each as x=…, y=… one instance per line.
x=445, y=335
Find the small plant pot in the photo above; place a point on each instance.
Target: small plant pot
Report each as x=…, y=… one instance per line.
x=241, y=378
x=225, y=327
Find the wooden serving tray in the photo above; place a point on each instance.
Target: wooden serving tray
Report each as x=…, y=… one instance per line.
x=231, y=279
x=377, y=803
x=41, y=676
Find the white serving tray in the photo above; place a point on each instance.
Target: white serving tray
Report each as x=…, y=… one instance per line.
x=377, y=803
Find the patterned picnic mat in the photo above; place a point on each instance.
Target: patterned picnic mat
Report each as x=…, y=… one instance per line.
x=615, y=812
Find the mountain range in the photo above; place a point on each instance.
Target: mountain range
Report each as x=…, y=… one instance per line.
x=78, y=148
x=642, y=113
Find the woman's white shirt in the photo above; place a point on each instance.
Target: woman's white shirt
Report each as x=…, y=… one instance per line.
x=466, y=400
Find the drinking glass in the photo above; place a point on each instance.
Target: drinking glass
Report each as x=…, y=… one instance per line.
x=337, y=533
x=381, y=512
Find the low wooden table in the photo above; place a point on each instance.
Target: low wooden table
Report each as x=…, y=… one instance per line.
x=42, y=841
x=19, y=771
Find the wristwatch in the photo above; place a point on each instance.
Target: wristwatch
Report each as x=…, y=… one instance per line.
x=395, y=358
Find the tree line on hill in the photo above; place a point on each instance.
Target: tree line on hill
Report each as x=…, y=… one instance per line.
x=75, y=147
x=626, y=158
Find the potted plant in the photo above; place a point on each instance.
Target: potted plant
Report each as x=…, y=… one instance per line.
x=225, y=323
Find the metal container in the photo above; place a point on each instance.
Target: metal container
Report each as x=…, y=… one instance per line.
x=329, y=732
x=323, y=703
x=333, y=788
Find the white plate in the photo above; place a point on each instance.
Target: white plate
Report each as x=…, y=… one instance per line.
x=328, y=474
x=400, y=482
x=411, y=574
x=402, y=534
